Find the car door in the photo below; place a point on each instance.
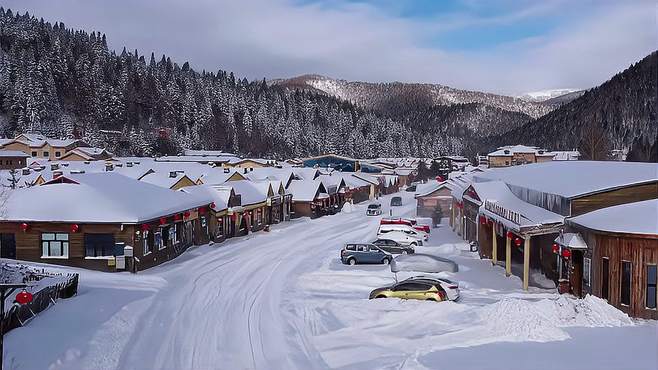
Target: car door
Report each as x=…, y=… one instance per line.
x=393, y=246
x=402, y=290
x=375, y=254
x=418, y=291
x=361, y=254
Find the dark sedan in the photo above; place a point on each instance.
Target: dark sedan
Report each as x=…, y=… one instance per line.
x=391, y=246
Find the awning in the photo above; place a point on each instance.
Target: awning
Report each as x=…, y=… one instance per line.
x=571, y=241
x=421, y=262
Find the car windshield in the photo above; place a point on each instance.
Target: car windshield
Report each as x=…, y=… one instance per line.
x=374, y=206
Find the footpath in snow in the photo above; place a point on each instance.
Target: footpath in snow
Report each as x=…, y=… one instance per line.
x=283, y=300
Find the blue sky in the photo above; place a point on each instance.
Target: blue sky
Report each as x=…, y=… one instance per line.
x=503, y=46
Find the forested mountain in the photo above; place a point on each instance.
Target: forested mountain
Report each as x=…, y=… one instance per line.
x=622, y=109
x=65, y=83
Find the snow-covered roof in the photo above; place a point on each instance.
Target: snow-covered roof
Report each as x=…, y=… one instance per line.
x=498, y=202
x=511, y=149
x=305, y=173
x=571, y=240
x=431, y=186
x=217, y=176
x=97, y=198
x=305, y=190
x=218, y=196
x=572, y=179
x=13, y=153
x=630, y=218
x=165, y=180
x=250, y=192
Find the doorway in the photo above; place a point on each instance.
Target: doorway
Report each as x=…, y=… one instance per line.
x=576, y=273
x=7, y=246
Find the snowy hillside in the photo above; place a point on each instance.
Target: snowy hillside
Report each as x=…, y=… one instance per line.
x=543, y=95
x=376, y=95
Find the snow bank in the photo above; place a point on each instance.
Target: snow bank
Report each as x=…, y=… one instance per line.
x=523, y=320
x=347, y=207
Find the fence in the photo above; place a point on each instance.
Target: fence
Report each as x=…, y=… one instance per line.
x=18, y=315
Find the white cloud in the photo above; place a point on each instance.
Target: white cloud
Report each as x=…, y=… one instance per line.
x=276, y=38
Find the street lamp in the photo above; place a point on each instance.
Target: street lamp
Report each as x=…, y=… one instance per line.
x=22, y=298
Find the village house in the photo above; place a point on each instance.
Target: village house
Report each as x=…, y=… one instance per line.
x=434, y=199
x=39, y=146
x=173, y=180
x=84, y=153
x=12, y=159
x=307, y=198
x=88, y=220
x=514, y=155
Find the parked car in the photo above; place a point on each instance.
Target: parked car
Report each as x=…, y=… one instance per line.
x=405, y=221
x=396, y=201
x=391, y=246
x=405, y=229
x=402, y=238
x=353, y=253
x=421, y=288
x=374, y=209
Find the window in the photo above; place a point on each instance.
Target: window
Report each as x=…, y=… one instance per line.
x=652, y=279
x=605, y=278
x=99, y=245
x=626, y=283
x=173, y=237
x=34, y=154
x=55, y=245
x=145, y=243
x=411, y=287
x=58, y=154
x=350, y=248
x=157, y=236
x=46, y=154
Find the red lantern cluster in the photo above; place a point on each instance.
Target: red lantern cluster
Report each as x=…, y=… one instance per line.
x=556, y=248
x=186, y=214
x=212, y=205
x=176, y=217
x=518, y=241
x=24, y=297
x=510, y=235
x=163, y=220
x=145, y=227
x=483, y=220
x=75, y=228
x=24, y=227
x=566, y=253
x=202, y=210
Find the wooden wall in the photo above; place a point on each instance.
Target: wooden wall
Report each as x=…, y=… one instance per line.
x=639, y=252
x=614, y=197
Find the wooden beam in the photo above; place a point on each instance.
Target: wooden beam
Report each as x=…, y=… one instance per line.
x=494, y=245
x=526, y=262
x=508, y=256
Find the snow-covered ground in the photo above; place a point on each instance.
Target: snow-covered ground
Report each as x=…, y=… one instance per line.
x=283, y=300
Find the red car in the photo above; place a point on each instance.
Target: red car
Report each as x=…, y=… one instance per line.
x=405, y=221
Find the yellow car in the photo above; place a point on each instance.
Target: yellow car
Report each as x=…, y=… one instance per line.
x=422, y=288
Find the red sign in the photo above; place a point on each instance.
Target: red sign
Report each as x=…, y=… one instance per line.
x=24, y=297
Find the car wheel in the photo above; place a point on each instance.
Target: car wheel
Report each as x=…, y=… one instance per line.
x=386, y=261
x=414, y=244
x=404, y=251
x=380, y=296
x=431, y=299
x=351, y=262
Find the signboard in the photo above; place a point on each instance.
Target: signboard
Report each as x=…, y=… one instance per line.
x=507, y=214
x=121, y=262
x=587, y=270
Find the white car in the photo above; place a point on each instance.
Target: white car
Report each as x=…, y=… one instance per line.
x=421, y=235
x=402, y=238
x=374, y=209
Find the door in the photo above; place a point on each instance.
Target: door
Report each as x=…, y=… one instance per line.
x=418, y=291
x=576, y=276
x=7, y=246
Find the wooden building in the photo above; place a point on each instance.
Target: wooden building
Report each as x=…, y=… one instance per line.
x=434, y=196
x=40, y=146
x=515, y=155
x=12, y=159
x=307, y=198
x=87, y=220
x=620, y=260
x=86, y=154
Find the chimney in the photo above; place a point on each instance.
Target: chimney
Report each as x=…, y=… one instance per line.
x=506, y=151
x=129, y=164
x=54, y=167
x=251, y=168
x=26, y=171
x=226, y=170
x=109, y=167
x=245, y=170
x=173, y=174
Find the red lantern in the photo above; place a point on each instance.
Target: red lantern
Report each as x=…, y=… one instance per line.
x=566, y=253
x=518, y=242
x=145, y=227
x=234, y=217
x=555, y=248
x=202, y=210
x=75, y=228
x=212, y=205
x=24, y=297
x=483, y=220
x=510, y=235
x=490, y=222
x=163, y=220
x=24, y=227
x=186, y=214
x=176, y=217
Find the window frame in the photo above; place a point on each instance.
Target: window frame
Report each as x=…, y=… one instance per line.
x=158, y=242
x=630, y=283
x=65, y=244
x=655, y=287
x=605, y=278
x=146, y=248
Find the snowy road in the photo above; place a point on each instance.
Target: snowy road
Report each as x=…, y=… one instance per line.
x=283, y=300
